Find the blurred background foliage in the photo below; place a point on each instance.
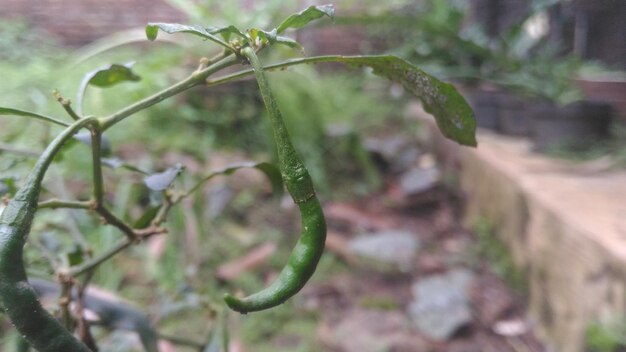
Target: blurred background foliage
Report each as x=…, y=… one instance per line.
x=326, y=114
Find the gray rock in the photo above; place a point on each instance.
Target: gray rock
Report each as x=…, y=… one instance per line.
x=400, y=152
x=395, y=247
x=419, y=179
x=441, y=303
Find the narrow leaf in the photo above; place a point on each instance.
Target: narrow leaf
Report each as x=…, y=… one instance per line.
x=18, y=112
x=289, y=42
x=271, y=37
x=226, y=32
x=153, y=28
x=147, y=217
x=454, y=116
x=303, y=17
x=103, y=77
x=162, y=180
x=273, y=175
x=219, y=337
x=112, y=75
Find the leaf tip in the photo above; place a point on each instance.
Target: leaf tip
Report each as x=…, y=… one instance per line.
x=151, y=31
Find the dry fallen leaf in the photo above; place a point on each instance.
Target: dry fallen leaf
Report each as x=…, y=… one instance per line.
x=253, y=259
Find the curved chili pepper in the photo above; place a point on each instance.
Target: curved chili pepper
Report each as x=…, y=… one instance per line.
x=17, y=296
x=307, y=252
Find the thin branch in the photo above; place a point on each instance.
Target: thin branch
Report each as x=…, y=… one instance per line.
x=96, y=150
x=84, y=331
x=57, y=203
x=223, y=60
x=111, y=219
x=96, y=261
x=32, y=115
x=170, y=201
x=122, y=244
x=199, y=184
x=67, y=105
x=64, y=302
x=279, y=65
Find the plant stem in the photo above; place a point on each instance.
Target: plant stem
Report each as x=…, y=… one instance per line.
x=111, y=219
x=56, y=203
x=279, y=65
x=223, y=60
x=31, y=115
x=98, y=183
x=67, y=106
x=94, y=262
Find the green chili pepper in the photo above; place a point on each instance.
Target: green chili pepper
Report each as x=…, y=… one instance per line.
x=310, y=246
x=17, y=296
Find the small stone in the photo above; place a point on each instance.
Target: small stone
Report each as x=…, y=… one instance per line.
x=419, y=179
x=514, y=327
x=396, y=247
x=441, y=303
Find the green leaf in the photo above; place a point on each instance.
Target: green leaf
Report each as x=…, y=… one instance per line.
x=18, y=112
x=219, y=336
x=303, y=17
x=153, y=28
x=289, y=42
x=160, y=181
x=104, y=77
x=75, y=257
x=271, y=37
x=227, y=31
x=453, y=114
x=111, y=75
x=147, y=217
x=273, y=175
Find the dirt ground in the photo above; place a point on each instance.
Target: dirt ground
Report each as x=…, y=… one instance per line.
x=368, y=309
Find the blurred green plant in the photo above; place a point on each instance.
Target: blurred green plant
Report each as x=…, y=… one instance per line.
x=488, y=246
x=609, y=337
x=138, y=211
x=439, y=36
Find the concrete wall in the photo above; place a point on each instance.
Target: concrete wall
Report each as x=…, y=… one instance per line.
x=563, y=223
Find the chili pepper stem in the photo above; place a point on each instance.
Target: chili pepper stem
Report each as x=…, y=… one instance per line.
x=310, y=246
